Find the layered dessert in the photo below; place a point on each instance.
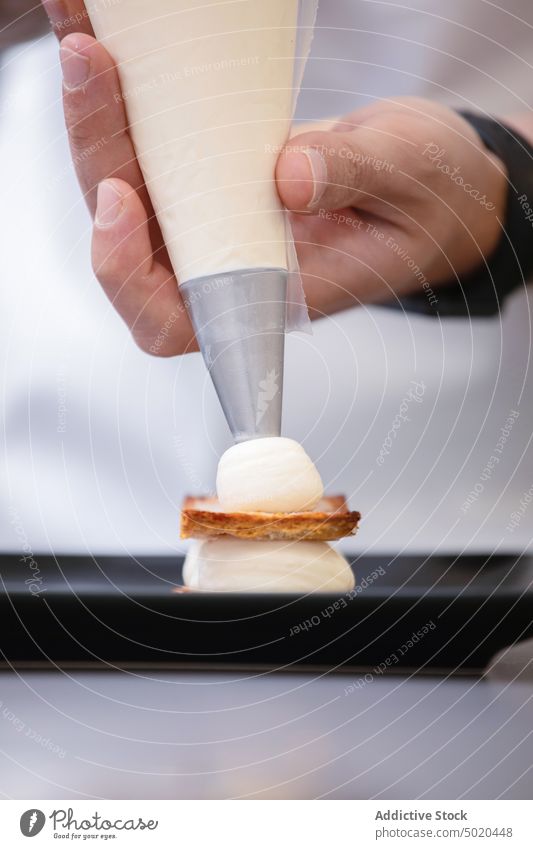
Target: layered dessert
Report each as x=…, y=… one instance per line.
x=270, y=527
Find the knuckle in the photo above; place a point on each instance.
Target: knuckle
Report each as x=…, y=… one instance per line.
x=107, y=269
x=81, y=126
x=81, y=136
x=352, y=170
x=147, y=343
x=154, y=341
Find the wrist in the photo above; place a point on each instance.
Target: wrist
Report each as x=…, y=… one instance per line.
x=508, y=259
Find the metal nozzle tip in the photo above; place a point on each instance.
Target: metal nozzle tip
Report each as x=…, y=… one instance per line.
x=239, y=321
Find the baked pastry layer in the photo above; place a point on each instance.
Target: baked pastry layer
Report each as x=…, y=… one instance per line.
x=204, y=517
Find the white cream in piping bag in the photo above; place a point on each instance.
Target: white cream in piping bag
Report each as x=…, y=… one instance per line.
x=271, y=475
x=239, y=565
x=208, y=89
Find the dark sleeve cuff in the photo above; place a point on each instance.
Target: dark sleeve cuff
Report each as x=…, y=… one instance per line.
x=484, y=292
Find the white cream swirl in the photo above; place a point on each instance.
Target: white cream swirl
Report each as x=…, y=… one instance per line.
x=272, y=475
x=221, y=564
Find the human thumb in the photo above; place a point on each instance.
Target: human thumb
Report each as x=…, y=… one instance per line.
x=328, y=170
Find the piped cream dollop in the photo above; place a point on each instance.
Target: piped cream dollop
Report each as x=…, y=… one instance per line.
x=239, y=565
x=272, y=475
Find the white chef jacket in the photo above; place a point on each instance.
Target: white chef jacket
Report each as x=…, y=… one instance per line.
x=100, y=442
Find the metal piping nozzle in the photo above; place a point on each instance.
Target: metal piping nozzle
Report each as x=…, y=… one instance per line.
x=239, y=321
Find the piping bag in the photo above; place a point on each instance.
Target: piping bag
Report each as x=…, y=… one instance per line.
x=209, y=88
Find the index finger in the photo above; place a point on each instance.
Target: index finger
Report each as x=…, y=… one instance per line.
x=67, y=16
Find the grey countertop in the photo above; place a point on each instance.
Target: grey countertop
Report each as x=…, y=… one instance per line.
x=133, y=734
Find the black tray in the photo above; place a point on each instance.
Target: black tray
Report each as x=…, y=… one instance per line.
x=119, y=610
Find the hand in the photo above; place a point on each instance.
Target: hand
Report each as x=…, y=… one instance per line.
x=388, y=220
x=129, y=257
x=400, y=197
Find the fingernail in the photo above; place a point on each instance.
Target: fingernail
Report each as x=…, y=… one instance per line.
x=75, y=68
x=319, y=172
x=109, y=204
